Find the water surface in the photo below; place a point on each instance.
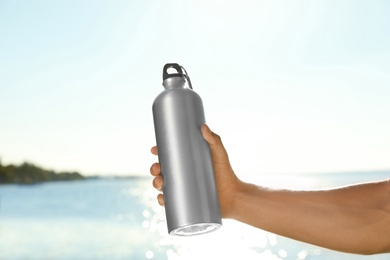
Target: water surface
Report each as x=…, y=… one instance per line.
x=120, y=219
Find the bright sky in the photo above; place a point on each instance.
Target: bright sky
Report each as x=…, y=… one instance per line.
x=290, y=86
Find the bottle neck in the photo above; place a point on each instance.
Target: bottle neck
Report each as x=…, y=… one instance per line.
x=174, y=82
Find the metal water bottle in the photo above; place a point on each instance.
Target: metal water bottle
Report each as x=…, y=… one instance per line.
x=190, y=194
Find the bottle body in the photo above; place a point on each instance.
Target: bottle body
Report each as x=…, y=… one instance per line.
x=191, y=199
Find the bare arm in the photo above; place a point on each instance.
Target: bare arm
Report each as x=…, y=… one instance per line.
x=353, y=219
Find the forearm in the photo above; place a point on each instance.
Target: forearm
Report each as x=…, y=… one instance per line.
x=353, y=219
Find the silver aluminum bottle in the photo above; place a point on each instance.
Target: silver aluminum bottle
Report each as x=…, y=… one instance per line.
x=190, y=194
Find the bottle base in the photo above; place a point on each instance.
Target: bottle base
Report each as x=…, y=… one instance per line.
x=195, y=229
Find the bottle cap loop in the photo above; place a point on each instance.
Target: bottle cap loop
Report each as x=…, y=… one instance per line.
x=179, y=69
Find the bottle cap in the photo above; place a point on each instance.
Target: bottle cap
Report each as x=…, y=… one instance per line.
x=175, y=79
x=177, y=67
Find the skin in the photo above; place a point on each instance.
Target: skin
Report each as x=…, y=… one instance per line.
x=353, y=219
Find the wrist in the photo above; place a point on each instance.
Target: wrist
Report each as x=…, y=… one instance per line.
x=239, y=196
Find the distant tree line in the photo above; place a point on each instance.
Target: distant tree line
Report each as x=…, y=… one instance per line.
x=27, y=173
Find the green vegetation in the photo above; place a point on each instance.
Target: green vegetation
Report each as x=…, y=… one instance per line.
x=27, y=173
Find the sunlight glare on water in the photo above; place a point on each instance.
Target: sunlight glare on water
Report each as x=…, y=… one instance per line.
x=235, y=240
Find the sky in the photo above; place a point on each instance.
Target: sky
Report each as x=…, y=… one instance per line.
x=291, y=87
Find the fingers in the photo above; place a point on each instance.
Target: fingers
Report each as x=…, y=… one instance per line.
x=158, y=180
x=160, y=199
x=154, y=150
x=155, y=169
x=158, y=183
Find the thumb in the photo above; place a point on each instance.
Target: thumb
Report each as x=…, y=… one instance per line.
x=218, y=151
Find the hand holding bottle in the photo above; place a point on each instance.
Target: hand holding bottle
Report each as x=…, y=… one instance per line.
x=227, y=182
